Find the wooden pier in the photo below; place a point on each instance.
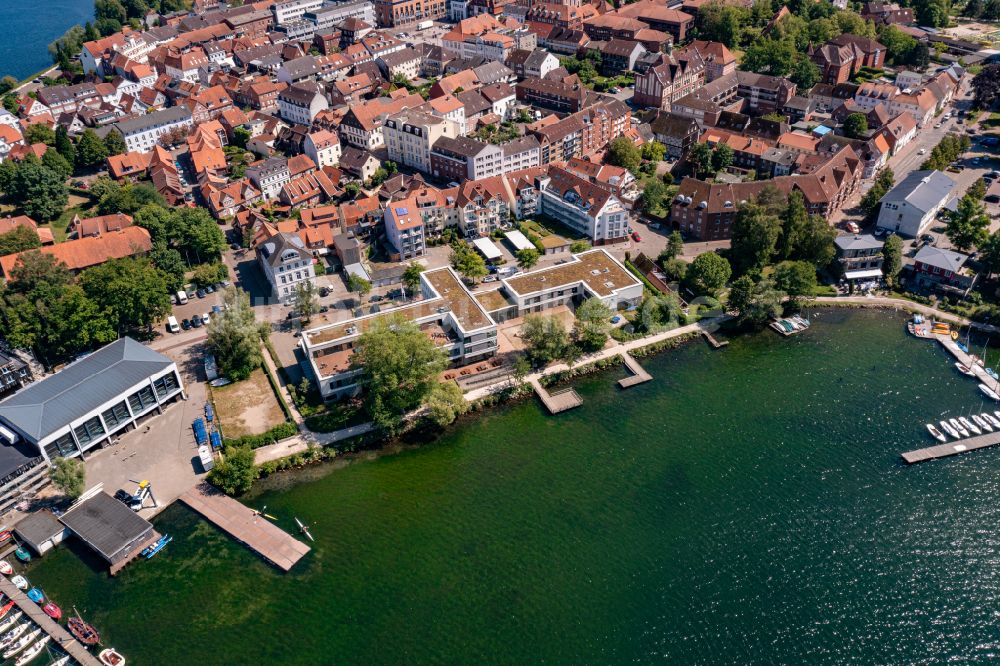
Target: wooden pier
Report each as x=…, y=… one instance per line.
x=59, y=635
x=710, y=339
x=559, y=401
x=966, y=360
x=952, y=448
x=247, y=526
x=639, y=374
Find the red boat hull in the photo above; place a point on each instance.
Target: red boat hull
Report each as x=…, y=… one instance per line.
x=6, y=609
x=53, y=611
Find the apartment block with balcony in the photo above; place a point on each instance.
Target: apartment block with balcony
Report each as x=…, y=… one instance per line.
x=443, y=308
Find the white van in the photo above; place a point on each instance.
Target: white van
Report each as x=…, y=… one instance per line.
x=172, y=324
x=182, y=298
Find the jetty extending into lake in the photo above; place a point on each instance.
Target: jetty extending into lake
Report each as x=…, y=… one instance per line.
x=247, y=526
x=59, y=635
x=952, y=448
x=638, y=376
x=558, y=401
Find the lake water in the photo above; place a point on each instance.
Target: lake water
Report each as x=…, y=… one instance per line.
x=28, y=28
x=746, y=506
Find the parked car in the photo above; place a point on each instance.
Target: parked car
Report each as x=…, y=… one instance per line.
x=205, y=319
x=376, y=298
x=324, y=292
x=196, y=322
x=200, y=293
x=324, y=308
x=490, y=278
x=636, y=237
x=185, y=324
x=927, y=238
x=992, y=198
x=853, y=227
x=209, y=289
x=922, y=151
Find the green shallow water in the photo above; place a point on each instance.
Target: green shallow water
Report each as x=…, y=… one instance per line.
x=746, y=506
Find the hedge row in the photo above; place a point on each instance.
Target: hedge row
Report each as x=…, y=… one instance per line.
x=275, y=434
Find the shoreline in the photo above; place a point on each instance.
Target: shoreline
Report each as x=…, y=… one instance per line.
x=499, y=395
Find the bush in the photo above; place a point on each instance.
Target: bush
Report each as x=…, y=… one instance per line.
x=335, y=419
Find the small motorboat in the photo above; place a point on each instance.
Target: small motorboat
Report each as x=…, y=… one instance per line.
x=959, y=427
x=992, y=419
x=951, y=431
x=982, y=423
x=157, y=547
x=111, y=657
x=20, y=582
x=969, y=425
x=83, y=632
x=35, y=594
x=10, y=620
x=935, y=433
x=5, y=568
x=33, y=651
x=52, y=611
x=21, y=643
x=964, y=369
x=22, y=554
x=6, y=608
x=14, y=633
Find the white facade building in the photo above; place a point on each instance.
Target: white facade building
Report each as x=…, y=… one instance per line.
x=286, y=263
x=142, y=134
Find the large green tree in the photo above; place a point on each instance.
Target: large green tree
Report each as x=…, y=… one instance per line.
x=68, y=475
x=892, y=258
x=468, y=262
x=234, y=336
x=856, y=126
x=235, y=472
x=19, y=239
x=41, y=191
x=796, y=278
x=399, y=367
x=755, y=302
x=546, y=339
x=622, y=152
x=754, y=238
x=708, y=273
x=968, y=226
x=593, y=323
x=132, y=291
x=90, y=150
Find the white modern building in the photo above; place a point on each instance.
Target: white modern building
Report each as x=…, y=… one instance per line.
x=286, y=263
x=142, y=134
x=323, y=147
x=445, y=310
x=583, y=206
x=911, y=206
x=289, y=11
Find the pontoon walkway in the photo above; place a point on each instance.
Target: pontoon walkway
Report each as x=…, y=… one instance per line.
x=246, y=526
x=60, y=636
x=952, y=448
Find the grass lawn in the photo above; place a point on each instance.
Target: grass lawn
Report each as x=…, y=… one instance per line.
x=248, y=407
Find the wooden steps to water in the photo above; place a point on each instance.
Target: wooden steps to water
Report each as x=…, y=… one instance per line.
x=247, y=526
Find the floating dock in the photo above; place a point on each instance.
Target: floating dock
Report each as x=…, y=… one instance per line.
x=639, y=374
x=59, y=635
x=247, y=526
x=559, y=401
x=966, y=359
x=952, y=448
